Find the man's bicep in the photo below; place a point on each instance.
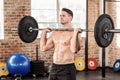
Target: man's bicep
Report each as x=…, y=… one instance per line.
x=49, y=43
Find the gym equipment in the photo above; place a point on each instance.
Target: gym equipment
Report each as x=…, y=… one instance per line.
x=3, y=78
x=18, y=77
x=37, y=66
x=79, y=64
x=3, y=69
x=116, y=66
x=18, y=64
x=24, y=33
x=103, y=31
x=92, y=64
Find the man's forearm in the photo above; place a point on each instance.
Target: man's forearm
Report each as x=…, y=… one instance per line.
x=43, y=41
x=74, y=41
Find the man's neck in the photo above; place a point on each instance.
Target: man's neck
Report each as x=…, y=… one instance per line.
x=67, y=26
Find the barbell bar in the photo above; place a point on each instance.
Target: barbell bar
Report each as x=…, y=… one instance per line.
x=59, y=29
x=113, y=31
x=71, y=29
x=103, y=30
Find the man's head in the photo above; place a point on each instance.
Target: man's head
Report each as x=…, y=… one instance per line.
x=68, y=11
x=66, y=16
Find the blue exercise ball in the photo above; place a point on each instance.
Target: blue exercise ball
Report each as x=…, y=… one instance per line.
x=18, y=64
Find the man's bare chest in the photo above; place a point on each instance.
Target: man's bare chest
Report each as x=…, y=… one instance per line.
x=62, y=37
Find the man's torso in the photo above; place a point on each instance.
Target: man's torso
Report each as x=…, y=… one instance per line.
x=62, y=53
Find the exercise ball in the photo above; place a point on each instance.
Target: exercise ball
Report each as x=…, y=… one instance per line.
x=18, y=64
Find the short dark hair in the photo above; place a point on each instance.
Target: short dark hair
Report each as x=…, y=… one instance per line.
x=68, y=11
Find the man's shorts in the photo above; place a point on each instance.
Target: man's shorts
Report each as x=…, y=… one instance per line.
x=62, y=72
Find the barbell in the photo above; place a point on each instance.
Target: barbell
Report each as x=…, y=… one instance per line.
x=103, y=30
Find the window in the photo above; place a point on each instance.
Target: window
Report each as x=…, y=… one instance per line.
x=46, y=12
x=1, y=19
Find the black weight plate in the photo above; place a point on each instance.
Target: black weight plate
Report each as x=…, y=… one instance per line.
x=23, y=29
x=116, y=66
x=103, y=23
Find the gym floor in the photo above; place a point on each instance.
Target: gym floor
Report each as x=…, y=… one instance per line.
x=83, y=75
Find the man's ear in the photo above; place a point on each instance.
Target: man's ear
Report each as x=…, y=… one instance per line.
x=71, y=18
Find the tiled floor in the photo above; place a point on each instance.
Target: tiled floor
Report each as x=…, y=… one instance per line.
x=90, y=75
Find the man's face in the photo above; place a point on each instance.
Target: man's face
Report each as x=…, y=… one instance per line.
x=65, y=18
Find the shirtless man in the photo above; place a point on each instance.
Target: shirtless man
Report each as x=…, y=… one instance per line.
x=65, y=44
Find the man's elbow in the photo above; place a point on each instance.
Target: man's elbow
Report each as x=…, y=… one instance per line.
x=73, y=50
x=43, y=49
